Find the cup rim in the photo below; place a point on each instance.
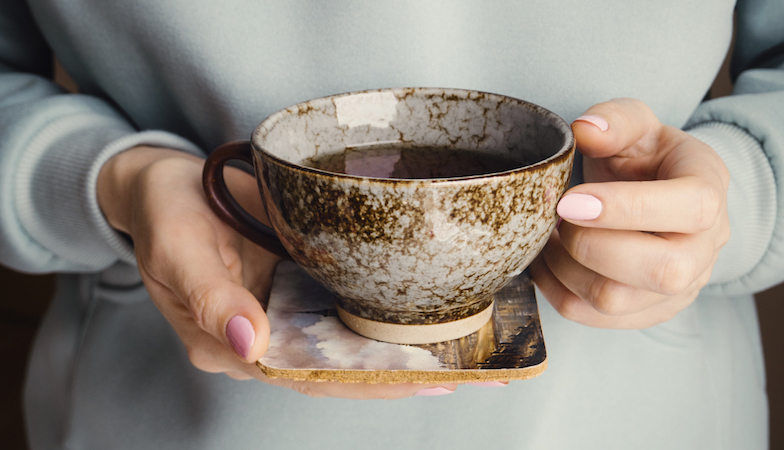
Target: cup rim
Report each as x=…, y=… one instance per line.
x=562, y=153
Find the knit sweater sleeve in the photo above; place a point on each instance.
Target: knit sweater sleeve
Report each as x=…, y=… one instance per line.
x=747, y=130
x=52, y=146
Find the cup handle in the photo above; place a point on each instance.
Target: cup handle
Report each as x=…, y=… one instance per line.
x=224, y=204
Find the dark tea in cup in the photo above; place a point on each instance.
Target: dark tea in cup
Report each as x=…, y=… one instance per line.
x=400, y=160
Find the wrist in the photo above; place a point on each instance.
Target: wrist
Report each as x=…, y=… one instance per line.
x=117, y=183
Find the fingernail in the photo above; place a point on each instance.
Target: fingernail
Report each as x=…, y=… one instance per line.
x=241, y=335
x=579, y=207
x=595, y=120
x=489, y=383
x=431, y=392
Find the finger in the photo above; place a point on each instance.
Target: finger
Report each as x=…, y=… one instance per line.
x=197, y=273
x=209, y=355
x=606, y=295
x=682, y=205
x=609, y=128
x=355, y=391
x=205, y=352
x=364, y=391
x=573, y=308
x=545, y=280
x=666, y=264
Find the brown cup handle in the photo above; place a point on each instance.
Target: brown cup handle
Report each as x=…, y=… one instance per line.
x=224, y=204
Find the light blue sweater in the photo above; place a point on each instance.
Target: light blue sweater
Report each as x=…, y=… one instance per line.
x=108, y=372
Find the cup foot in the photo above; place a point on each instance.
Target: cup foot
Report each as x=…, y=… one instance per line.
x=415, y=334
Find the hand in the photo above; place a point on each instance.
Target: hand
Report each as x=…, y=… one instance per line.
x=639, y=240
x=207, y=280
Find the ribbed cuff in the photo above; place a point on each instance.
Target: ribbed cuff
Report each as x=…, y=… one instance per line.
x=56, y=198
x=752, y=189
x=754, y=153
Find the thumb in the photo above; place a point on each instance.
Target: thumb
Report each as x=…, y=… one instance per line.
x=218, y=302
x=607, y=129
x=231, y=314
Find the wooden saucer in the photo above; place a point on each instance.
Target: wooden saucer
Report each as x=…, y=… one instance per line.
x=309, y=341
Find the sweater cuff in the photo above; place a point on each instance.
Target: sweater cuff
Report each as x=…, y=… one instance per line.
x=755, y=158
x=56, y=197
x=752, y=191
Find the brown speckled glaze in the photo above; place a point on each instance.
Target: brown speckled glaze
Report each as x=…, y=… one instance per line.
x=413, y=251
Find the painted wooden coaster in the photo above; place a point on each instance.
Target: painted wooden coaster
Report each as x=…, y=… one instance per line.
x=309, y=342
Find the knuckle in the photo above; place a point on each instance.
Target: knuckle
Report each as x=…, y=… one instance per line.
x=674, y=275
x=639, y=106
x=709, y=204
x=613, y=107
x=636, y=210
x=149, y=180
x=607, y=298
x=160, y=169
x=627, y=108
x=577, y=243
x=570, y=309
x=203, y=304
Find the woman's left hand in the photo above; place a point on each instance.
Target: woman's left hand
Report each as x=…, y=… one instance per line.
x=639, y=240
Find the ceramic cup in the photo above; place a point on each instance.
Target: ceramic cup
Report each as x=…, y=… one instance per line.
x=410, y=261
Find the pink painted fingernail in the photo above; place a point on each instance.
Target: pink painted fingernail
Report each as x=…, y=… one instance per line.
x=594, y=120
x=241, y=335
x=489, y=383
x=431, y=392
x=579, y=207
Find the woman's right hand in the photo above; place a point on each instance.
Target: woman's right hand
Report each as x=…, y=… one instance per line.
x=206, y=279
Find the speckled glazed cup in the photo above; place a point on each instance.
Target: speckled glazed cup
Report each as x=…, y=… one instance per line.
x=409, y=260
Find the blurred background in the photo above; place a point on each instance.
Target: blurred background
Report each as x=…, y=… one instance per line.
x=24, y=300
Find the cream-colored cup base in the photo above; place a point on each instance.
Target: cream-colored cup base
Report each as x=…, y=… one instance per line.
x=415, y=334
